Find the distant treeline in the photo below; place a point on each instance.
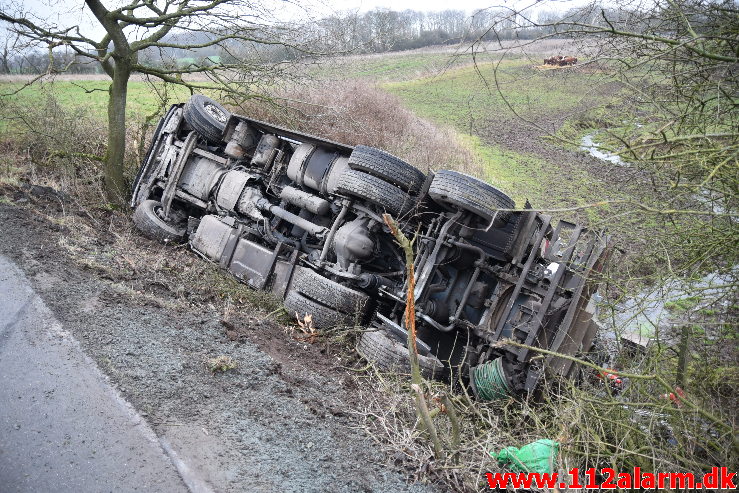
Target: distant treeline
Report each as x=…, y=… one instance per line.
x=376, y=31
x=38, y=62
x=382, y=30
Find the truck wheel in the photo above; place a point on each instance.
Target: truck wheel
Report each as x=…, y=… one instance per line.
x=323, y=316
x=312, y=285
x=147, y=218
x=207, y=117
x=375, y=190
x=379, y=163
x=451, y=188
x=390, y=355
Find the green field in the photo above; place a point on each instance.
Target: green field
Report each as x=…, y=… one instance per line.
x=389, y=67
x=144, y=99
x=474, y=103
x=474, y=92
x=520, y=175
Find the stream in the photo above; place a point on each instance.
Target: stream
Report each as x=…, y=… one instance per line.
x=594, y=149
x=646, y=316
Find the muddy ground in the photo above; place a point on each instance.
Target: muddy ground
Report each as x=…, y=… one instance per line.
x=288, y=418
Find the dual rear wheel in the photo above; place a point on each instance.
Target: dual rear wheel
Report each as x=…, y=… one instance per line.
x=330, y=304
x=381, y=179
x=455, y=190
x=327, y=302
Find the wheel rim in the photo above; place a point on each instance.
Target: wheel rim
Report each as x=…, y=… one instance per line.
x=215, y=112
x=173, y=217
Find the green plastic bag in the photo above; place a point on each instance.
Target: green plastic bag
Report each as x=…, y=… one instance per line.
x=538, y=456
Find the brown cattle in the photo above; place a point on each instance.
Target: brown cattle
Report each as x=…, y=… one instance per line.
x=553, y=60
x=568, y=60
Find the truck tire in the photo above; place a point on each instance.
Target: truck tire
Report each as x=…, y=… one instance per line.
x=390, y=355
x=207, y=117
x=147, y=219
x=375, y=190
x=383, y=165
x=312, y=285
x=451, y=188
x=323, y=316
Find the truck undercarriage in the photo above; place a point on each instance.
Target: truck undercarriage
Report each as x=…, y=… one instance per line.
x=302, y=217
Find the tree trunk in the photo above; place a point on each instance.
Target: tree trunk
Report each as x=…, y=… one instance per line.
x=115, y=188
x=6, y=60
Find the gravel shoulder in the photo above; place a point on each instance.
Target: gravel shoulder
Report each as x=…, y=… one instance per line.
x=63, y=427
x=283, y=420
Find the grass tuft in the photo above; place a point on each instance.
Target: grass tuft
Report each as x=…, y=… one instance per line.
x=221, y=364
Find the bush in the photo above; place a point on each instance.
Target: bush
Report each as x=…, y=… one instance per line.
x=354, y=112
x=62, y=146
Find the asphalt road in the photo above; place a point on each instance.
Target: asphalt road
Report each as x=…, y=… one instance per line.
x=62, y=426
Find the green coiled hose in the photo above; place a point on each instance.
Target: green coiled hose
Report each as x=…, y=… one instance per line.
x=489, y=381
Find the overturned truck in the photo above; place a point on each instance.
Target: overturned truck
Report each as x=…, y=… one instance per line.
x=302, y=217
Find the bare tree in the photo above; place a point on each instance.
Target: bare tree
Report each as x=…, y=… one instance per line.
x=141, y=27
x=5, y=55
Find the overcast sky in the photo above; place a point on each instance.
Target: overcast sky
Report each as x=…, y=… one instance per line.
x=73, y=12
x=435, y=5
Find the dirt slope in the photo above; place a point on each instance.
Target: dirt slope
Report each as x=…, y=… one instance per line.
x=282, y=421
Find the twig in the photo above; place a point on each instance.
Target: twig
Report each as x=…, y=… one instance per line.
x=714, y=419
x=410, y=309
x=410, y=323
x=451, y=411
x=423, y=412
x=84, y=155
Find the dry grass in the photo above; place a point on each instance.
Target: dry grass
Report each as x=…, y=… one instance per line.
x=106, y=242
x=62, y=147
x=221, y=364
x=594, y=426
x=354, y=112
